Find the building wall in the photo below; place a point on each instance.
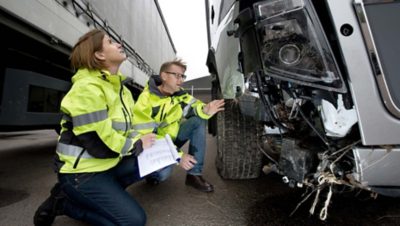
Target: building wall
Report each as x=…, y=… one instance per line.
x=141, y=25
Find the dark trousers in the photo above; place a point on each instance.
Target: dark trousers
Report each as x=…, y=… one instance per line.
x=101, y=199
x=193, y=130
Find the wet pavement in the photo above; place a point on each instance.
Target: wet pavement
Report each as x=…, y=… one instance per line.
x=345, y=209
x=26, y=177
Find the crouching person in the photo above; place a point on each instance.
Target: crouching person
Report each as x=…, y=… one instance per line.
x=97, y=148
x=165, y=108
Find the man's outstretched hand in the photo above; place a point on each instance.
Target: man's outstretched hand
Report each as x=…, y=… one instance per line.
x=214, y=107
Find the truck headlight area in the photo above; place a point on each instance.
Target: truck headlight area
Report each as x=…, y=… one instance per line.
x=293, y=45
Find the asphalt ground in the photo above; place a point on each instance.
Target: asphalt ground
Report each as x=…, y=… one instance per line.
x=26, y=178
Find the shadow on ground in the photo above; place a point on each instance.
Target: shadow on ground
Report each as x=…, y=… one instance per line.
x=345, y=209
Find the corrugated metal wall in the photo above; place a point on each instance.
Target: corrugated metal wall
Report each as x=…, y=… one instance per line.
x=140, y=24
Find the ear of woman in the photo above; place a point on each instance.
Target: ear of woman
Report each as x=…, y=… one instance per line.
x=99, y=55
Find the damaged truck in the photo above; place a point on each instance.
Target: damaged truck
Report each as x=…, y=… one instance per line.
x=310, y=89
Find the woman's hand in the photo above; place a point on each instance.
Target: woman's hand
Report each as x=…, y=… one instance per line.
x=214, y=107
x=187, y=161
x=148, y=140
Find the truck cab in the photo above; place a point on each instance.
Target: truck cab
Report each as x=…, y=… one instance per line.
x=311, y=91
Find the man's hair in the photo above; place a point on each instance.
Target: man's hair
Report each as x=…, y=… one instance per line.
x=178, y=62
x=83, y=53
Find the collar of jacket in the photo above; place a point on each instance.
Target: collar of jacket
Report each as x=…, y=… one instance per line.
x=155, y=81
x=103, y=74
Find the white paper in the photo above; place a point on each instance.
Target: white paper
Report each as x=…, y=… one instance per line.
x=163, y=153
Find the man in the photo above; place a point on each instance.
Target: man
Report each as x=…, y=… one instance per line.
x=165, y=108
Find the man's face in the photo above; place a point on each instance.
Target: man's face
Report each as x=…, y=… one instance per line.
x=173, y=78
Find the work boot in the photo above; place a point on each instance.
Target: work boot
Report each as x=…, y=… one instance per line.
x=51, y=207
x=198, y=182
x=152, y=179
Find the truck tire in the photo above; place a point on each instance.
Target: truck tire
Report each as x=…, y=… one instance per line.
x=238, y=155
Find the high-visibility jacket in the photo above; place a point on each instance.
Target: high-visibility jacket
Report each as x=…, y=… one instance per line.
x=155, y=112
x=96, y=129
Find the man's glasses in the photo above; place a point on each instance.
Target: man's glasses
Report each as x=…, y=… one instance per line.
x=177, y=75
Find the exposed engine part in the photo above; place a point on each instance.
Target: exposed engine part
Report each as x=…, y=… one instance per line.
x=296, y=162
x=325, y=177
x=319, y=101
x=295, y=105
x=337, y=122
x=272, y=145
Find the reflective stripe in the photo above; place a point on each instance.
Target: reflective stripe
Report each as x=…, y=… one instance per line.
x=133, y=134
x=127, y=146
x=66, y=118
x=187, y=108
x=163, y=124
x=85, y=119
x=72, y=150
x=149, y=125
x=120, y=126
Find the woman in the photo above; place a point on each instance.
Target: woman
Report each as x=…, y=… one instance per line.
x=97, y=149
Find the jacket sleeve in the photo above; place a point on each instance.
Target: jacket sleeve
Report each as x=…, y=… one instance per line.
x=86, y=104
x=193, y=106
x=143, y=121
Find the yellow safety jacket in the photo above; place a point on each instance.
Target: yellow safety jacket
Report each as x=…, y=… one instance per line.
x=155, y=112
x=97, y=123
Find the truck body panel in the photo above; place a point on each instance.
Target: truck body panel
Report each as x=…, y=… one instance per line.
x=320, y=100
x=363, y=84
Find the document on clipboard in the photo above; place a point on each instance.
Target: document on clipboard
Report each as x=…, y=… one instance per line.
x=161, y=154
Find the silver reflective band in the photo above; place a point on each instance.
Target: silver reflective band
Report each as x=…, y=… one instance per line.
x=127, y=146
x=187, y=107
x=149, y=125
x=120, y=126
x=66, y=118
x=133, y=134
x=85, y=119
x=163, y=124
x=72, y=150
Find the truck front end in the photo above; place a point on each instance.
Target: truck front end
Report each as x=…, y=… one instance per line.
x=323, y=76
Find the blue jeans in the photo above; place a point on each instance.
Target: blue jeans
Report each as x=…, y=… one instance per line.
x=100, y=198
x=193, y=130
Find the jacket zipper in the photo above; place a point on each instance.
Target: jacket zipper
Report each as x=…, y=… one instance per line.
x=79, y=158
x=162, y=112
x=124, y=110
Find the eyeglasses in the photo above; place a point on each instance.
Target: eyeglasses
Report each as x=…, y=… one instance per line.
x=177, y=75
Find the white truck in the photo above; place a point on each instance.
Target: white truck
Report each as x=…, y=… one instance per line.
x=37, y=37
x=312, y=93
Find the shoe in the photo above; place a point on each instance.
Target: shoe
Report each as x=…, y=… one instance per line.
x=152, y=181
x=50, y=208
x=152, y=178
x=198, y=182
